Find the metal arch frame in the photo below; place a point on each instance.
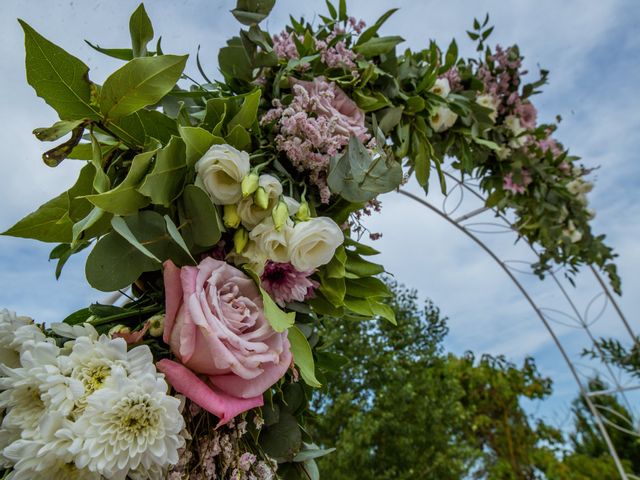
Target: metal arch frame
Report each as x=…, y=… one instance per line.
x=600, y=420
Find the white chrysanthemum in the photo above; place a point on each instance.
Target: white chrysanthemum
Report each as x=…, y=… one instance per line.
x=127, y=424
x=91, y=362
x=9, y=323
x=22, y=395
x=75, y=331
x=48, y=455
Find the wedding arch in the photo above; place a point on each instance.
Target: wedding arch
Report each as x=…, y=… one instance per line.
x=229, y=213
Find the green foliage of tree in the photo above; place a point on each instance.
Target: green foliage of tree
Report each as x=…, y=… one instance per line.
x=403, y=409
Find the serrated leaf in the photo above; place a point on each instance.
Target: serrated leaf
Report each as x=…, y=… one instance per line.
x=141, y=31
x=139, y=83
x=58, y=77
x=302, y=356
x=165, y=181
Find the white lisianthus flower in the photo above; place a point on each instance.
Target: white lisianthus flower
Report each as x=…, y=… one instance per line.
x=443, y=119
x=221, y=170
x=572, y=232
x=490, y=102
x=292, y=205
x=250, y=213
x=252, y=256
x=129, y=423
x=441, y=87
x=314, y=242
x=272, y=242
x=513, y=124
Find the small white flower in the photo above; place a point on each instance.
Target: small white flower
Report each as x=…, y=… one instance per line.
x=221, y=170
x=441, y=87
x=273, y=243
x=250, y=213
x=572, y=232
x=130, y=423
x=314, y=242
x=292, y=205
x=513, y=124
x=490, y=102
x=443, y=119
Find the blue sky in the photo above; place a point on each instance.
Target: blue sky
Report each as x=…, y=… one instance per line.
x=591, y=48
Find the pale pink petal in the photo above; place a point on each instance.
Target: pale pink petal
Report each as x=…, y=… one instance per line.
x=173, y=295
x=223, y=406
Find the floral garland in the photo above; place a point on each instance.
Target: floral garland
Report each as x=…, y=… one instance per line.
x=231, y=210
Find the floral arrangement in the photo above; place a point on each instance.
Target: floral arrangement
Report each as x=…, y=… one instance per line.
x=228, y=213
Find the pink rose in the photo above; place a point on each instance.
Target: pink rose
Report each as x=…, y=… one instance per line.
x=328, y=100
x=215, y=325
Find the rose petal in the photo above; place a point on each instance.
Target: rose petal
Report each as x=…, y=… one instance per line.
x=173, y=294
x=223, y=406
x=240, y=387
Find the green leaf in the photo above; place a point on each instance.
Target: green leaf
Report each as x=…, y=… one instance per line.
x=383, y=310
x=49, y=223
x=248, y=112
x=141, y=31
x=282, y=440
x=63, y=252
x=81, y=316
x=58, y=77
x=302, y=356
x=421, y=162
x=139, y=83
x=125, y=199
x=332, y=10
x=119, y=53
x=358, y=178
x=81, y=226
x=57, y=130
x=175, y=235
x=57, y=154
x=333, y=289
x=367, y=287
x=239, y=138
x=378, y=45
x=361, y=267
x=234, y=63
x=278, y=319
x=165, y=181
x=389, y=118
x=201, y=216
x=197, y=141
x=252, y=12
x=121, y=227
x=371, y=31
x=157, y=125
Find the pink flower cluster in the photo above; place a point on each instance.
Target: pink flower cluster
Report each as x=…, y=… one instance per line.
x=516, y=188
x=286, y=284
x=453, y=76
x=316, y=126
x=336, y=55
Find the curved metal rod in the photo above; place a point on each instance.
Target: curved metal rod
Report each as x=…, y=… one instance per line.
x=526, y=295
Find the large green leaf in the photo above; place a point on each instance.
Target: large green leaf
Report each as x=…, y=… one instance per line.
x=302, y=356
x=139, y=83
x=125, y=199
x=252, y=12
x=141, y=31
x=278, y=319
x=198, y=141
x=378, y=45
x=248, y=112
x=282, y=440
x=49, y=223
x=58, y=77
x=357, y=177
x=201, y=216
x=165, y=181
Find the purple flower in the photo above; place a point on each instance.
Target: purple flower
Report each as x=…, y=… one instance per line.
x=286, y=284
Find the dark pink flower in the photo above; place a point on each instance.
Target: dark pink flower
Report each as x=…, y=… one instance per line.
x=286, y=284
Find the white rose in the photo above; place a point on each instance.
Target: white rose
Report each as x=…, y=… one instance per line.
x=441, y=87
x=313, y=243
x=443, y=119
x=274, y=244
x=489, y=101
x=251, y=214
x=221, y=171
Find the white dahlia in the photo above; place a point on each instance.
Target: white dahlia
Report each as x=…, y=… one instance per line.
x=128, y=424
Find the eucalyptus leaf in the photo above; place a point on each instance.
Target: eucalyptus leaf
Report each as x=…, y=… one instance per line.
x=121, y=227
x=58, y=77
x=139, y=83
x=282, y=440
x=201, y=215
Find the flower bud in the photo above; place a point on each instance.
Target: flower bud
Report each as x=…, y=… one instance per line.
x=303, y=214
x=119, y=329
x=261, y=199
x=230, y=216
x=249, y=184
x=156, y=328
x=240, y=240
x=280, y=215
